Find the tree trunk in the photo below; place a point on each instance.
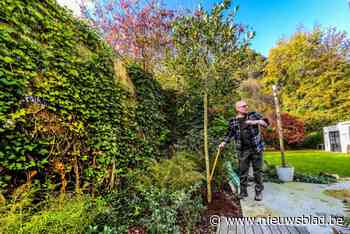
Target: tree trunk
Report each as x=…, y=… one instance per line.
x=206, y=154
x=112, y=176
x=64, y=183
x=77, y=175
x=93, y=177
x=279, y=126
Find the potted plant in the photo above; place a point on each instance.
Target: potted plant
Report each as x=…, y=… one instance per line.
x=285, y=172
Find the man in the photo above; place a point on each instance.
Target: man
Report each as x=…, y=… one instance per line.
x=244, y=128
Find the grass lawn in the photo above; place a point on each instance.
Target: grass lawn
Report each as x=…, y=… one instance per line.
x=313, y=162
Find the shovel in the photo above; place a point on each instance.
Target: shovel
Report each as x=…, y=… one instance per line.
x=231, y=175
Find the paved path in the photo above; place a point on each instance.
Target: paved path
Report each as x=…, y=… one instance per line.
x=292, y=199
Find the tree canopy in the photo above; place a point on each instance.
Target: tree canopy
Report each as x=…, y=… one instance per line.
x=313, y=72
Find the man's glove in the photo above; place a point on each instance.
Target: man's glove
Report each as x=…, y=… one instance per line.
x=222, y=145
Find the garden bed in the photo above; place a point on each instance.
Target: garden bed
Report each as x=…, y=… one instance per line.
x=223, y=204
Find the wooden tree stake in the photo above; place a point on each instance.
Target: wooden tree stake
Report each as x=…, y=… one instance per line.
x=279, y=125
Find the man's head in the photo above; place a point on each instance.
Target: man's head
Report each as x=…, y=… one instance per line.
x=241, y=107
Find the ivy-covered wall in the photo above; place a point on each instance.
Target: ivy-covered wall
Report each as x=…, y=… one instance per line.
x=64, y=118
x=153, y=113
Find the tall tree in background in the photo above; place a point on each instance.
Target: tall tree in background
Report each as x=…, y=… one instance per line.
x=136, y=29
x=251, y=66
x=251, y=91
x=313, y=70
x=203, y=44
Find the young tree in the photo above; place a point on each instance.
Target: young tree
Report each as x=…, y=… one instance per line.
x=204, y=42
x=136, y=29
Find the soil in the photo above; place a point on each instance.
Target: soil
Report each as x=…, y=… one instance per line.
x=223, y=204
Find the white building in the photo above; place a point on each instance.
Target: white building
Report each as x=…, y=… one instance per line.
x=337, y=137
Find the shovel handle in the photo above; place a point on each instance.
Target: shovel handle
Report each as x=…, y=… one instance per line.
x=214, y=165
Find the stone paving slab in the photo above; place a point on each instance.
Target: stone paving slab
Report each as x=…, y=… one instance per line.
x=296, y=199
x=292, y=199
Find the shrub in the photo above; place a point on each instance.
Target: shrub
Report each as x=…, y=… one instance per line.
x=312, y=140
x=67, y=216
x=293, y=130
x=56, y=215
x=106, y=230
x=270, y=175
x=162, y=199
x=172, y=174
x=155, y=209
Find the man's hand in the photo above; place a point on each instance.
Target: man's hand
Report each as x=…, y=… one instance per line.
x=222, y=145
x=262, y=123
x=254, y=122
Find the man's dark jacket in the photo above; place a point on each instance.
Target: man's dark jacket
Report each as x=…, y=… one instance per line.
x=234, y=132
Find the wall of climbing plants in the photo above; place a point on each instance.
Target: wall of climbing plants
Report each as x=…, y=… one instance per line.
x=64, y=118
x=153, y=113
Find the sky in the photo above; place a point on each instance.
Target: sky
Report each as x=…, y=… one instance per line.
x=71, y=4
x=272, y=19
x=276, y=19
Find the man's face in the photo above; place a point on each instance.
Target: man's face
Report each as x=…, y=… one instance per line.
x=242, y=107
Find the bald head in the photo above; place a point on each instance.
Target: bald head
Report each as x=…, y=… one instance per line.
x=241, y=107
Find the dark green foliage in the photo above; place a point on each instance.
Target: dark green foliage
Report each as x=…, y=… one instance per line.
x=189, y=122
x=192, y=138
x=270, y=175
x=152, y=208
x=300, y=177
x=151, y=109
x=190, y=125
x=62, y=111
x=312, y=140
x=148, y=200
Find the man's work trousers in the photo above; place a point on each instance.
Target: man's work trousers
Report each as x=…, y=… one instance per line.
x=246, y=156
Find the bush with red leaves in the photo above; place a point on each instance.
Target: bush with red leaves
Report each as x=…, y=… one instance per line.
x=293, y=130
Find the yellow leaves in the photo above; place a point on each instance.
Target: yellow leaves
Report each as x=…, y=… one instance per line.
x=15, y=117
x=18, y=114
x=34, y=108
x=77, y=127
x=84, y=52
x=312, y=76
x=2, y=200
x=58, y=166
x=123, y=77
x=49, y=80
